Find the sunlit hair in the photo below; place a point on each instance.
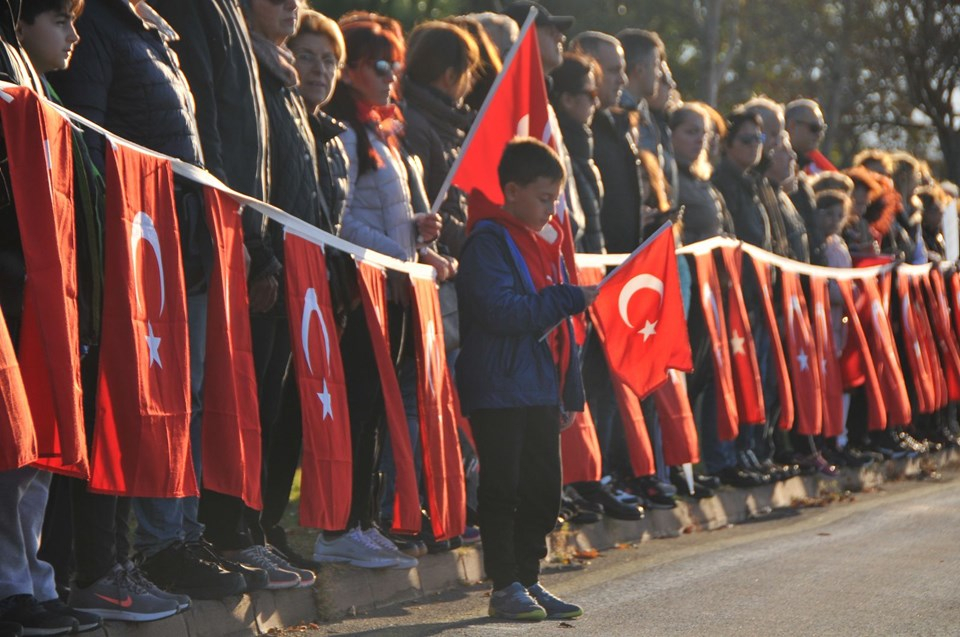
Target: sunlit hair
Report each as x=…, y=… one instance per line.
x=314, y=22
x=874, y=159
x=500, y=29
x=700, y=167
x=434, y=47
x=831, y=180
x=657, y=197
x=490, y=60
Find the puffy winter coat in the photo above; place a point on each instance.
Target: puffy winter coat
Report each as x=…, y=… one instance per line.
x=579, y=143
x=503, y=362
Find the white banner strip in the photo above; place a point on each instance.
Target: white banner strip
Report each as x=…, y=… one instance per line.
x=292, y=224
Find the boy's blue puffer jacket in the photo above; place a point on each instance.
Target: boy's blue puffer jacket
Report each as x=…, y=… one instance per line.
x=503, y=363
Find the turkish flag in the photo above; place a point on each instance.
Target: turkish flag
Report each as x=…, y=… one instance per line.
x=580, y=449
x=442, y=462
x=784, y=385
x=925, y=320
x=914, y=348
x=516, y=107
x=406, y=502
x=681, y=443
x=18, y=440
x=804, y=370
x=327, y=465
x=141, y=443
x=883, y=348
x=955, y=302
x=40, y=152
x=231, y=423
x=935, y=288
x=746, y=370
x=712, y=303
x=826, y=355
x=640, y=313
x=857, y=341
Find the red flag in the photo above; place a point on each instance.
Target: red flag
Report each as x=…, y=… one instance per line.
x=857, y=340
x=826, y=354
x=516, y=106
x=640, y=313
x=442, y=462
x=746, y=370
x=955, y=302
x=580, y=449
x=141, y=444
x=631, y=415
x=18, y=440
x=818, y=163
x=784, y=385
x=406, y=502
x=804, y=371
x=231, y=422
x=946, y=340
x=327, y=466
x=883, y=348
x=681, y=443
x=920, y=374
x=40, y=152
x=712, y=304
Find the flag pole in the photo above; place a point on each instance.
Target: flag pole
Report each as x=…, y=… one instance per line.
x=442, y=194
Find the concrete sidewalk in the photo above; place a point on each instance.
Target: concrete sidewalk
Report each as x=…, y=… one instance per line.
x=343, y=590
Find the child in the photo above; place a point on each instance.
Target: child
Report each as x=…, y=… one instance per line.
x=515, y=385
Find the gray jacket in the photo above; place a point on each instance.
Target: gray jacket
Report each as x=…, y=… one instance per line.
x=378, y=213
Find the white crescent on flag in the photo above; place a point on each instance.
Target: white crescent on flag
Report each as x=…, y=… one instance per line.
x=310, y=307
x=143, y=229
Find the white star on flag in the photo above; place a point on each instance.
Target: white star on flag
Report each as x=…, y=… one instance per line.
x=153, y=344
x=326, y=400
x=802, y=358
x=648, y=330
x=737, y=343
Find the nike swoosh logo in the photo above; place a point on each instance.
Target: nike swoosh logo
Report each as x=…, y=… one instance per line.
x=124, y=603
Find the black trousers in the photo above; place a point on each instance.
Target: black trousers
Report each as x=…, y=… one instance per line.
x=519, y=493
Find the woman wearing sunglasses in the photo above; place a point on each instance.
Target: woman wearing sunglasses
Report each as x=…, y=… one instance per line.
x=574, y=98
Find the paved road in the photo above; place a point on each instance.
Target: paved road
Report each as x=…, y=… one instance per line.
x=886, y=564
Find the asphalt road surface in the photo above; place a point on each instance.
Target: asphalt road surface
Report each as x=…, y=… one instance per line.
x=887, y=563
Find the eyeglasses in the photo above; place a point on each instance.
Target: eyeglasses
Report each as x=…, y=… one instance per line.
x=747, y=140
x=386, y=68
x=816, y=127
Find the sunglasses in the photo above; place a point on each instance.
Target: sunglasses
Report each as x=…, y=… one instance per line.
x=386, y=68
x=816, y=127
x=747, y=140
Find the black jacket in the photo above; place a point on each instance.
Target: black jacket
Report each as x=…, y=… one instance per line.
x=435, y=130
x=615, y=155
x=705, y=214
x=739, y=191
x=578, y=139
x=217, y=59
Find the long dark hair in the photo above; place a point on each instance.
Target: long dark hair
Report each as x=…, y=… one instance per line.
x=366, y=41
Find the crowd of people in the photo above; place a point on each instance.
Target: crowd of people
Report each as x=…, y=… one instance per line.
x=352, y=126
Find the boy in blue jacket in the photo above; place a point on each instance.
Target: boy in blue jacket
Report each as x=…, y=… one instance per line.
x=515, y=385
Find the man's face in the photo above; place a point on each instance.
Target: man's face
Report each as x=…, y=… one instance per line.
x=806, y=130
x=783, y=160
x=49, y=41
x=647, y=74
x=551, y=47
x=610, y=59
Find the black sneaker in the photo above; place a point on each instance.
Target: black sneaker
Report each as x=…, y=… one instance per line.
x=612, y=507
x=741, y=478
x=10, y=629
x=33, y=618
x=649, y=489
x=85, y=621
x=254, y=579
x=700, y=490
x=180, y=570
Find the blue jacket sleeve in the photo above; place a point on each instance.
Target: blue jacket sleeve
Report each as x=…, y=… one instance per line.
x=491, y=292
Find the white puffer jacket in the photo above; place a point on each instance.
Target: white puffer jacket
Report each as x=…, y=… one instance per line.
x=378, y=213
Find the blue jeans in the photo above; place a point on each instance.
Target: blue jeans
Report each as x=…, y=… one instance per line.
x=163, y=522
x=23, y=499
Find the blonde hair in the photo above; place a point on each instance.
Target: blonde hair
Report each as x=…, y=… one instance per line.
x=315, y=22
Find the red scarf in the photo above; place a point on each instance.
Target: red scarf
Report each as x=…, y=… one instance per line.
x=386, y=122
x=543, y=260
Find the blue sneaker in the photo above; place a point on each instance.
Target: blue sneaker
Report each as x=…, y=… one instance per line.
x=556, y=608
x=514, y=602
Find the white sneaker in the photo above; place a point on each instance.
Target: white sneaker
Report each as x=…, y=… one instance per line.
x=354, y=548
x=404, y=561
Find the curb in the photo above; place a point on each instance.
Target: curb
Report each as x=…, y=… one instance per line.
x=344, y=591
